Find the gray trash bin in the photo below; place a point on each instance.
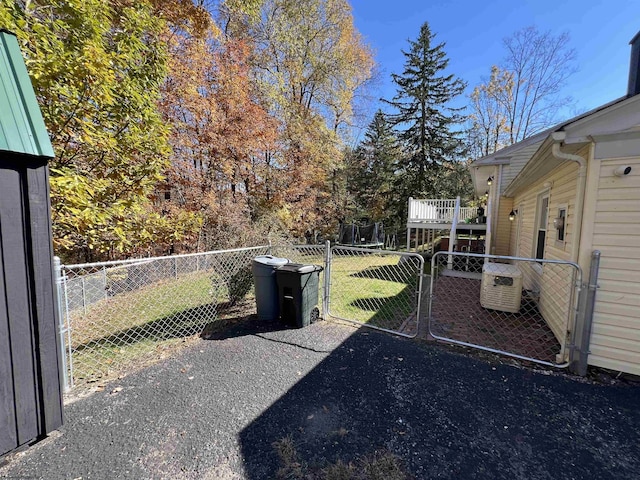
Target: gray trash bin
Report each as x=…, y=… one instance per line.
x=264, y=278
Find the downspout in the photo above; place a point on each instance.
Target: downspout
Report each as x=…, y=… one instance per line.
x=559, y=137
x=578, y=321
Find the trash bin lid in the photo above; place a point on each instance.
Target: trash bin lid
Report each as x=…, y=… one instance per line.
x=271, y=260
x=299, y=268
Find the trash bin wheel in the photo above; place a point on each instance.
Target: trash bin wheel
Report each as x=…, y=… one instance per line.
x=315, y=315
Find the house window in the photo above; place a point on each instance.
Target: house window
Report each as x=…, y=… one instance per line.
x=541, y=224
x=560, y=223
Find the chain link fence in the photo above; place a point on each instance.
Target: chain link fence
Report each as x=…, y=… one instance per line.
x=116, y=315
x=520, y=307
x=378, y=288
x=121, y=315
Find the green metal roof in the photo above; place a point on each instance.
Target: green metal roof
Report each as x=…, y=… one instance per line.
x=22, y=128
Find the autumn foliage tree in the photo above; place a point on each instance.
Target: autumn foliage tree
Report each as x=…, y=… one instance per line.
x=310, y=61
x=372, y=174
x=219, y=137
x=183, y=125
x=96, y=67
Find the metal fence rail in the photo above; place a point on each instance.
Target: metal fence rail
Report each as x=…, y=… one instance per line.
x=115, y=315
x=525, y=308
x=376, y=288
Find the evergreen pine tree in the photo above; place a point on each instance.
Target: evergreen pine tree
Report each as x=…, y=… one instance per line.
x=426, y=122
x=372, y=175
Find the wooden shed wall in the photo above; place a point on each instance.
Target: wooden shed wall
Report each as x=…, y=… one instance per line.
x=30, y=362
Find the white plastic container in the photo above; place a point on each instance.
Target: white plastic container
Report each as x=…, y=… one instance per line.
x=501, y=287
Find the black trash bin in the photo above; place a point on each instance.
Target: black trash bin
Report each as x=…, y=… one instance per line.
x=298, y=293
x=264, y=279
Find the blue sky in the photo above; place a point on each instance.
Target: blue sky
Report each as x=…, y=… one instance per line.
x=600, y=32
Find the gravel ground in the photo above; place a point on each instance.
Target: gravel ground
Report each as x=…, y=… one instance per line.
x=214, y=411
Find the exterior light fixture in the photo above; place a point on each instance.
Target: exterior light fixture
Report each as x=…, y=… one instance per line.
x=512, y=215
x=486, y=194
x=489, y=181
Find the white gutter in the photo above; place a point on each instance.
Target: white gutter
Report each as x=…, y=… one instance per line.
x=558, y=138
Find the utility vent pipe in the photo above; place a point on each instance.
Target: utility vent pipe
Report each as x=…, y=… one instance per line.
x=634, y=67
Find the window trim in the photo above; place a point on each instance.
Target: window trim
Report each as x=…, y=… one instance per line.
x=562, y=242
x=538, y=219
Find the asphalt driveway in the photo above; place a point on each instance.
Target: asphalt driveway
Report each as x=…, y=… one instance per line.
x=337, y=393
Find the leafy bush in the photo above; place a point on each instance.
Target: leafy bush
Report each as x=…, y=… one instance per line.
x=239, y=284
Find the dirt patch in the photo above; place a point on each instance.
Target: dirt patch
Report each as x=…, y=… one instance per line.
x=380, y=465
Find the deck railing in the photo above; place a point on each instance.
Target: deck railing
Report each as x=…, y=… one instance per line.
x=467, y=213
x=437, y=210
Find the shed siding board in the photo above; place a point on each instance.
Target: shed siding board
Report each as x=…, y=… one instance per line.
x=609, y=293
x=8, y=435
x=613, y=240
x=615, y=341
x=615, y=286
x=614, y=356
x=18, y=305
x=627, y=338
x=629, y=276
x=617, y=205
x=625, y=251
x=616, y=216
x=48, y=347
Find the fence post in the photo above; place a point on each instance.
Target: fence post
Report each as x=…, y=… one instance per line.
x=585, y=317
x=104, y=280
x=84, y=295
x=57, y=268
x=327, y=277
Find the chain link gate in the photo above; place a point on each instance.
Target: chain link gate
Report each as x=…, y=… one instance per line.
x=376, y=288
x=524, y=308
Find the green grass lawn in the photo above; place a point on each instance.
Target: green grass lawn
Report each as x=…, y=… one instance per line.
x=117, y=331
x=376, y=289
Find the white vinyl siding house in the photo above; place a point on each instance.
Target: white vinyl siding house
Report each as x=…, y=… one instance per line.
x=614, y=215
x=599, y=206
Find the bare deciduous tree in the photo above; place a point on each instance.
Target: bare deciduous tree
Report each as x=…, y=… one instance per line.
x=523, y=95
